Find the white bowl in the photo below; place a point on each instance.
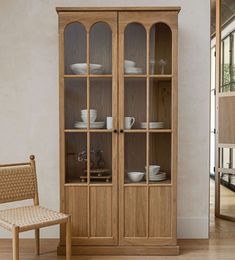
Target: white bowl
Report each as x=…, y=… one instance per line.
x=81, y=68
x=153, y=169
x=85, y=118
x=135, y=176
x=129, y=63
x=92, y=111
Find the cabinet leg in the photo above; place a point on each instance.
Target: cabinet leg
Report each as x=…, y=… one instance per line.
x=68, y=239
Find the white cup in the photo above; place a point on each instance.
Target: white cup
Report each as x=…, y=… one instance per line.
x=129, y=122
x=109, y=122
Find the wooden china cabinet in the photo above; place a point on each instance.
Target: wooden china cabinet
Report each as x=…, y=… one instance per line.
x=118, y=66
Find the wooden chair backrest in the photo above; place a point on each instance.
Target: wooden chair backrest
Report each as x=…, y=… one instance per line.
x=18, y=182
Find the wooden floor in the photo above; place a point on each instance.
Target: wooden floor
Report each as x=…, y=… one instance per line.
x=220, y=246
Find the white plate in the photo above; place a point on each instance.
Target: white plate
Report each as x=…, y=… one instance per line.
x=152, y=125
x=133, y=70
x=162, y=175
x=81, y=68
x=92, y=125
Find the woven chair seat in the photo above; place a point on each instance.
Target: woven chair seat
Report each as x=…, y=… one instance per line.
x=30, y=217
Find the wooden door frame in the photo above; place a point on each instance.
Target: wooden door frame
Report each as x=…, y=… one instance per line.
x=147, y=21
x=88, y=19
x=218, y=83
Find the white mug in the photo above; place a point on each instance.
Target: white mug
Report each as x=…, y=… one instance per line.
x=109, y=122
x=129, y=122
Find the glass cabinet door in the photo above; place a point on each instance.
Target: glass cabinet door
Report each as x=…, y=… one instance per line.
x=89, y=125
x=90, y=109
x=147, y=136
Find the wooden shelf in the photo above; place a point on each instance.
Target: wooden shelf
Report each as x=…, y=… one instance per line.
x=148, y=130
x=151, y=183
x=161, y=77
x=71, y=76
x=135, y=76
x=88, y=130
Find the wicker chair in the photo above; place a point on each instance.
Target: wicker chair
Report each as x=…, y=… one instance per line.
x=19, y=182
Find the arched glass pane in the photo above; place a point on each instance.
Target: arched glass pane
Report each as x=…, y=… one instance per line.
x=135, y=49
x=75, y=49
x=100, y=49
x=160, y=49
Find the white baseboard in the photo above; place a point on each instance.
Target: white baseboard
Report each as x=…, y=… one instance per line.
x=194, y=228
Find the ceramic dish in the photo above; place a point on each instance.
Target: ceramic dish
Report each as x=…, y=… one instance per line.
x=92, y=125
x=152, y=125
x=135, y=176
x=81, y=68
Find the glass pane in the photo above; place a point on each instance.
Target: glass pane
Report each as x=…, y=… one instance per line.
x=135, y=157
x=135, y=49
x=135, y=103
x=226, y=65
x=75, y=157
x=160, y=49
x=75, y=101
x=100, y=102
x=233, y=62
x=100, y=49
x=101, y=157
x=159, y=157
x=159, y=104
x=75, y=49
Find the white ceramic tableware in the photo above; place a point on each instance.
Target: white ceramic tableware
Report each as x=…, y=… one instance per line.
x=92, y=125
x=135, y=176
x=81, y=68
x=159, y=177
x=109, y=122
x=85, y=118
x=133, y=70
x=129, y=63
x=153, y=169
x=129, y=122
x=152, y=125
x=93, y=115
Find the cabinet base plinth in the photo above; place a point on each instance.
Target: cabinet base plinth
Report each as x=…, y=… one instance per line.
x=121, y=250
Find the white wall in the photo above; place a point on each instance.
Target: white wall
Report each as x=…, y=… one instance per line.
x=29, y=115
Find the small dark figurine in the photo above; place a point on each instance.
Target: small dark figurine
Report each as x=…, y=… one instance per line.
x=96, y=160
x=100, y=163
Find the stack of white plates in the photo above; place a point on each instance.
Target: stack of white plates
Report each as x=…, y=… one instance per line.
x=158, y=177
x=92, y=125
x=152, y=125
x=130, y=67
x=81, y=68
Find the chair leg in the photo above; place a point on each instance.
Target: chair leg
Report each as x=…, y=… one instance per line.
x=15, y=243
x=37, y=240
x=68, y=239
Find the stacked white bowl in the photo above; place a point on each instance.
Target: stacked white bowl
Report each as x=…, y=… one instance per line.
x=130, y=67
x=153, y=170
x=84, y=115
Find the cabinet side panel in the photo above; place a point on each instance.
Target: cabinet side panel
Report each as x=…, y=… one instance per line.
x=76, y=206
x=226, y=120
x=135, y=212
x=101, y=211
x=160, y=212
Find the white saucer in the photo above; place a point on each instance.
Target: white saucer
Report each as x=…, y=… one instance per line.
x=92, y=125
